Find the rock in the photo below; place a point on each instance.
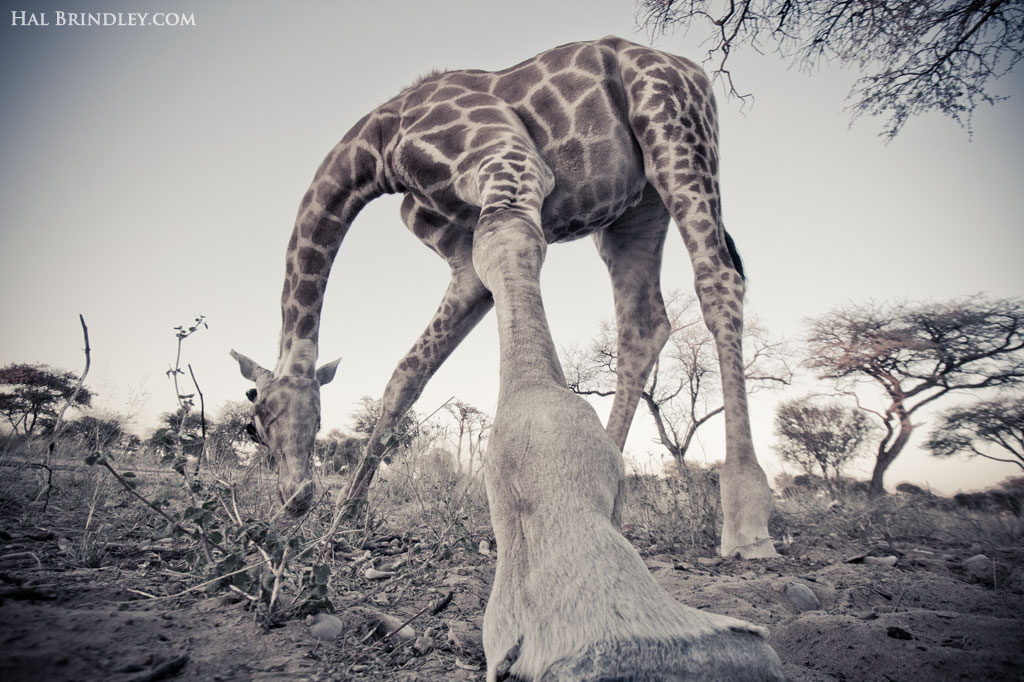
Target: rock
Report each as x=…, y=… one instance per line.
x=484, y=547
x=373, y=574
x=389, y=624
x=424, y=643
x=324, y=626
x=979, y=566
x=655, y=564
x=802, y=597
x=888, y=561
x=709, y=560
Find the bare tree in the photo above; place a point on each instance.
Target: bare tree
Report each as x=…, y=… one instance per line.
x=916, y=354
x=821, y=437
x=980, y=429
x=917, y=56
x=683, y=392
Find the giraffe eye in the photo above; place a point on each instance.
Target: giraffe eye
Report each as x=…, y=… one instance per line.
x=251, y=395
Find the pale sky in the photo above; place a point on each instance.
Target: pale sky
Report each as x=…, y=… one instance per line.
x=152, y=174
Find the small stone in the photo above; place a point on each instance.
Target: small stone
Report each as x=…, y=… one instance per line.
x=324, y=626
x=373, y=574
x=484, y=547
x=424, y=643
x=979, y=566
x=887, y=561
x=802, y=597
x=709, y=560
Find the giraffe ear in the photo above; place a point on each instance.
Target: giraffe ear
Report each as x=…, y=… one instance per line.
x=250, y=370
x=326, y=372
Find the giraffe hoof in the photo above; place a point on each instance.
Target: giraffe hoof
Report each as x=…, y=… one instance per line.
x=761, y=549
x=736, y=655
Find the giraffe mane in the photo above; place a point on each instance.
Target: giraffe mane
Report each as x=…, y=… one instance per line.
x=423, y=78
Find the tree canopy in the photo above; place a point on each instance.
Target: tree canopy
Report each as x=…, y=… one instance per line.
x=820, y=437
x=916, y=353
x=993, y=429
x=915, y=57
x=32, y=394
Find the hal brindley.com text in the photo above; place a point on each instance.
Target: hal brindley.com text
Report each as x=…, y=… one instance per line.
x=59, y=18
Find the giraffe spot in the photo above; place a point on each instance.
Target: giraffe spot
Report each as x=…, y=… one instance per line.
x=440, y=115
x=474, y=100
x=513, y=86
x=311, y=261
x=431, y=218
x=307, y=292
x=410, y=364
x=450, y=142
x=572, y=85
x=558, y=58
x=418, y=163
x=326, y=232
x=471, y=80
x=306, y=326
x=587, y=60
x=547, y=107
x=592, y=115
x=447, y=93
x=647, y=58
x=291, y=316
x=489, y=115
x=537, y=132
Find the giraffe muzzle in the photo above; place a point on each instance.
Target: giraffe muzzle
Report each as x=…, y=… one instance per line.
x=297, y=499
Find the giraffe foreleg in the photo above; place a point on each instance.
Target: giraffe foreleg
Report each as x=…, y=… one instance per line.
x=464, y=304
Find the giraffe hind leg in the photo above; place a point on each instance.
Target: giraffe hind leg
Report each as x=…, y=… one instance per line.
x=672, y=114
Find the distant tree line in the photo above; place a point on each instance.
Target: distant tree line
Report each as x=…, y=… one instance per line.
x=879, y=366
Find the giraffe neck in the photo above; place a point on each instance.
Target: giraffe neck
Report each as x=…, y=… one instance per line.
x=354, y=173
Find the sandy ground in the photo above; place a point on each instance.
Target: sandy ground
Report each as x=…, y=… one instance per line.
x=835, y=612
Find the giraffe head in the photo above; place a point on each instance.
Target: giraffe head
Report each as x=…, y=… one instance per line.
x=285, y=419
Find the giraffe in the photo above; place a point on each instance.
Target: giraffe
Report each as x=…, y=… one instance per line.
x=604, y=138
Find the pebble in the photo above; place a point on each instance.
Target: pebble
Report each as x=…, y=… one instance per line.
x=324, y=626
x=802, y=597
x=374, y=574
x=979, y=566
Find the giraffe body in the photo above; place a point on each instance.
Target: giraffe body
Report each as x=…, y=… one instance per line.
x=605, y=138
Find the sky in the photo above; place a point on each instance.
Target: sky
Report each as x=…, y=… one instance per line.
x=152, y=174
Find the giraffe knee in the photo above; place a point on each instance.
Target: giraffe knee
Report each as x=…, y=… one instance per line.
x=505, y=237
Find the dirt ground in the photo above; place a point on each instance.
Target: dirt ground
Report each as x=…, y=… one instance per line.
x=835, y=611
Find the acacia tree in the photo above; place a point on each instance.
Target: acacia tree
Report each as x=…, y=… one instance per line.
x=915, y=354
x=916, y=57
x=684, y=390
x=821, y=437
x=993, y=425
x=30, y=395
x=471, y=427
x=365, y=419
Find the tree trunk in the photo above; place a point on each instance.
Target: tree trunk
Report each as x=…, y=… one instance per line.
x=886, y=456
